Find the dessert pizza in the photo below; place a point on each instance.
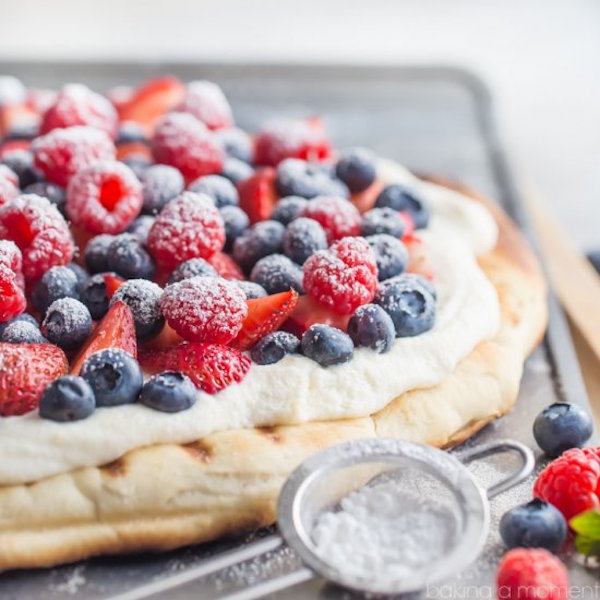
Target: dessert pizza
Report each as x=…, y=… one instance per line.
x=188, y=312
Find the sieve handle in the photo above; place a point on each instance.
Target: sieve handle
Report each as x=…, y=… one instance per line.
x=525, y=469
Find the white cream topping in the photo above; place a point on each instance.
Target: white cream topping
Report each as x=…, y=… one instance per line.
x=296, y=389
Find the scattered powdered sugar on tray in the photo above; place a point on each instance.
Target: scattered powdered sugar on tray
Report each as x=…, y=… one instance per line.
x=384, y=531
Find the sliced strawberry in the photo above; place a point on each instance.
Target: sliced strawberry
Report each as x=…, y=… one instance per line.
x=152, y=100
x=258, y=195
x=365, y=200
x=308, y=312
x=116, y=330
x=225, y=266
x=124, y=151
x=113, y=283
x=17, y=117
x=264, y=316
x=167, y=338
x=418, y=259
x=409, y=225
x=25, y=370
x=211, y=367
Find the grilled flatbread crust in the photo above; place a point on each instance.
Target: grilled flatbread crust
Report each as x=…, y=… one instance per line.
x=164, y=496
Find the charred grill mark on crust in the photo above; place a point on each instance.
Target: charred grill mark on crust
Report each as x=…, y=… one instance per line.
x=116, y=468
x=270, y=433
x=199, y=450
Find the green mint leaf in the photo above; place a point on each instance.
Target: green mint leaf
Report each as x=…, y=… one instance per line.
x=587, y=525
x=587, y=546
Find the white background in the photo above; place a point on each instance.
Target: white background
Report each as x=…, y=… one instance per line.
x=541, y=57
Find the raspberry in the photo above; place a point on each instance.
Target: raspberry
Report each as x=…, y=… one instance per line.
x=12, y=297
x=205, y=309
x=78, y=105
x=183, y=142
x=571, y=482
x=291, y=138
x=338, y=217
x=8, y=185
x=104, y=198
x=40, y=232
x=63, y=152
x=188, y=227
x=343, y=277
x=531, y=574
x=206, y=101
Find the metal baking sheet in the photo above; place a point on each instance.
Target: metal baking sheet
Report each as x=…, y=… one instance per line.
x=434, y=119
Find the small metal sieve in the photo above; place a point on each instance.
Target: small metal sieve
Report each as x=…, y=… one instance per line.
x=319, y=484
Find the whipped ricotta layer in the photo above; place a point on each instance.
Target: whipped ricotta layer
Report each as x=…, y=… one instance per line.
x=296, y=389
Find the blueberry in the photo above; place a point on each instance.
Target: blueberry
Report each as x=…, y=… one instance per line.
x=128, y=257
x=21, y=162
x=55, y=194
x=236, y=170
x=288, y=209
x=262, y=239
x=96, y=253
x=142, y=297
x=382, y=220
x=160, y=185
x=22, y=130
x=26, y=317
x=297, y=177
x=356, y=168
x=56, y=283
x=419, y=280
x=327, y=345
x=138, y=163
x=273, y=347
x=68, y=398
x=236, y=222
x=220, y=189
x=94, y=296
x=236, y=143
x=562, y=426
x=252, y=290
x=536, y=524
x=391, y=255
x=130, y=132
x=402, y=198
x=409, y=303
x=114, y=375
x=22, y=332
x=67, y=323
x=193, y=267
x=303, y=237
x=140, y=227
x=277, y=273
x=168, y=392
x=81, y=274
x=370, y=326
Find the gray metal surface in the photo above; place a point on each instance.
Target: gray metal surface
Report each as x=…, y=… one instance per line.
x=434, y=120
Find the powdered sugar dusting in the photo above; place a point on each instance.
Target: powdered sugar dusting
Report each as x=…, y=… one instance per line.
x=205, y=309
x=207, y=102
x=338, y=217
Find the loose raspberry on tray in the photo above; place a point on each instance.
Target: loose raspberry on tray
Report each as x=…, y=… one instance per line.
x=63, y=152
x=104, y=197
x=571, y=482
x=78, y=105
x=338, y=217
x=182, y=141
x=205, y=309
x=343, y=277
x=40, y=232
x=207, y=102
x=188, y=227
